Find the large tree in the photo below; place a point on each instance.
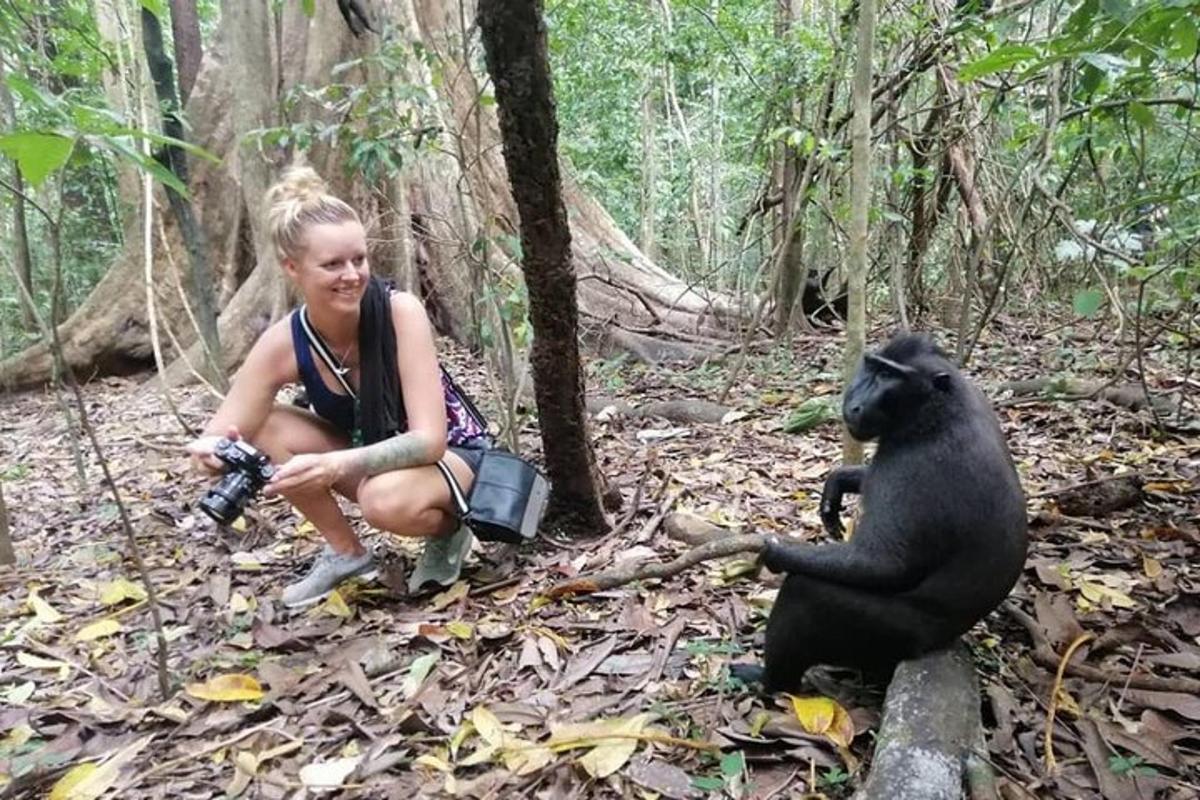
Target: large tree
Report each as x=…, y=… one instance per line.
x=514, y=39
x=457, y=189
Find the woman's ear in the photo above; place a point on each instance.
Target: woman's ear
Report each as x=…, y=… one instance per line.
x=289, y=266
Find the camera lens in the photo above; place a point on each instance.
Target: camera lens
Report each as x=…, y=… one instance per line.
x=225, y=501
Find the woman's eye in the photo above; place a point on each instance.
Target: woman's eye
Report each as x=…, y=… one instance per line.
x=358, y=260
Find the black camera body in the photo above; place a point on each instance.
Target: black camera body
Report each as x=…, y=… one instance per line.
x=247, y=470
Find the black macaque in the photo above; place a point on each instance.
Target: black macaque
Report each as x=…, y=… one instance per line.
x=941, y=536
x=819, y=308
x=356, y=17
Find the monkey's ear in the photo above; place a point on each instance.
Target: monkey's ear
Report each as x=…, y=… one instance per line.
x=941, y=381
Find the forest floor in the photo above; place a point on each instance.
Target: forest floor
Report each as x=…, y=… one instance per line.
x=493, y=690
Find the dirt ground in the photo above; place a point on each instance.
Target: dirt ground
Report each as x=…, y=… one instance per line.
x=493, y=690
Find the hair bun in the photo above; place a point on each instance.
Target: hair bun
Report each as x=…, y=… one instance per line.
x=299, y=184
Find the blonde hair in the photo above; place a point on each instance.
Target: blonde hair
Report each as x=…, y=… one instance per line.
x=298, y=200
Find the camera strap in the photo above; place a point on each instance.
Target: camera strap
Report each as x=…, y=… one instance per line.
x=322, y=350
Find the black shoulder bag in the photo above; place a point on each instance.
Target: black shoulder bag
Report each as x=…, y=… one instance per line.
x=508, y=496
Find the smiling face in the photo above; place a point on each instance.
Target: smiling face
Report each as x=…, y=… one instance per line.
x=331, y=269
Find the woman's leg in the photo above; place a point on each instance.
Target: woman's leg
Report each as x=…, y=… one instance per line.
x=289, y=431
x=414, y=502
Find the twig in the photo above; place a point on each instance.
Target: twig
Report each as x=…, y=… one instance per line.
x=50, y=332
x=1044, y=655
x=619, y=576
x=212, y=748
x=1055, y=688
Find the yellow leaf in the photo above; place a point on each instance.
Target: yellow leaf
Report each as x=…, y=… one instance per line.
x=459, y=629
x=305, y=527
x=37, y=662
x=335, y=606
x=433, y=762
x=239, y=604
x=98, y=630
x=120, y=590
x=1096, y=593
x=64, y=789
x=525, y=758
x=488, y=726
x=44, y=612
x=609, y=756
x=19, y=694
x=481, y=756
x=227, y=689
x=1151, y=566
x=94, y=782
x=824, y=717
x=17, y=737
x=239, y=525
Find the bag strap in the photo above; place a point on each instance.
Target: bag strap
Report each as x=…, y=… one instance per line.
x=326, y=355
x=467, y=402
x=456, y=493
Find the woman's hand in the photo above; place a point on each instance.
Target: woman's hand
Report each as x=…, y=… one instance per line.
x=309, y=471
x=202, y=449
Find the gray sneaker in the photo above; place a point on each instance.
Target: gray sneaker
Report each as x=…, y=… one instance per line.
x=328, y=570
x=441, y=561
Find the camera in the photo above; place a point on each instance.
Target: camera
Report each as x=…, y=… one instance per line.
x=246, y=472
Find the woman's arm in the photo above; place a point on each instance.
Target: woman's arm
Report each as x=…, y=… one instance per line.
x=424, y=399
x=251, y=395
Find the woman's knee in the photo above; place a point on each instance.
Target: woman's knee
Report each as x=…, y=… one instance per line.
x=388, y=507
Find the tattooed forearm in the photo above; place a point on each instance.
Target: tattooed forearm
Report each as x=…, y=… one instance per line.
x=398, y=452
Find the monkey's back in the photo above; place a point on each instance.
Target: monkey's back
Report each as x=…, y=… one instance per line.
x=951, y=502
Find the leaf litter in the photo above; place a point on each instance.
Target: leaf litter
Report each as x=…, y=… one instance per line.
x=489, y=688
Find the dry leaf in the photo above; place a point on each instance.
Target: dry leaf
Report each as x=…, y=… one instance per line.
x=452, y=595
x=326, y=776
x=335, y=606
x=37, y=662
x=98, y=630
x=460, y=630
x=44, y=612
x=120, y=590
x=824, y=717
x=1096, y=593
x=64, y=788
x=227, y=689
x=19, y=695
x=88, y=784
x=613, y=741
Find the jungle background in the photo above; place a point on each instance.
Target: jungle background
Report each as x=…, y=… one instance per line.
x=1020, y=178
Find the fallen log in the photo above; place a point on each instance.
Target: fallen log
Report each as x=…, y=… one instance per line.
x=930, y=726
x=1130, y=396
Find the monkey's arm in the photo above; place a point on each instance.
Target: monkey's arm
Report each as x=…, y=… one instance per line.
x=843, y=563
x=843, y=480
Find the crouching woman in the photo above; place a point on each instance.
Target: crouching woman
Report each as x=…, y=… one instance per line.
x=383, y=413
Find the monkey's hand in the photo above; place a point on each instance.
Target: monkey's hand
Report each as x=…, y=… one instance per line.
x=774, y=554
x=832, y=519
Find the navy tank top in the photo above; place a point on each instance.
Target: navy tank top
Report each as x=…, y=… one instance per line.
x=463, y=428
x=335, y=407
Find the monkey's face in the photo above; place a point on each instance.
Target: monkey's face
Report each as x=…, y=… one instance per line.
x=882, y=395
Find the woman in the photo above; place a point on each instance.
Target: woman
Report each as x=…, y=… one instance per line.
x=321, y=245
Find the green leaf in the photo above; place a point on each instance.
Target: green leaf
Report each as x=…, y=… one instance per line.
x=1184, y=39
x=1118, y=9
x=1142, y=115
x=733, y=764
x=999, y=59
x=1087, y=302
x=310, y=7
x=37, y=154
x=155, y=7
x=810, y=414
x=706, y=784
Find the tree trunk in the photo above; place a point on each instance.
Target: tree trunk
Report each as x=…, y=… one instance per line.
x=646, y=233
x=627, y=303
x=8, y=555
x=201, y=285
x=21, y=255
x=185, y=29
x=514, y=39
x=860, y=204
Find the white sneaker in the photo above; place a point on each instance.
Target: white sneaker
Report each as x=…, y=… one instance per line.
x=328, y=570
